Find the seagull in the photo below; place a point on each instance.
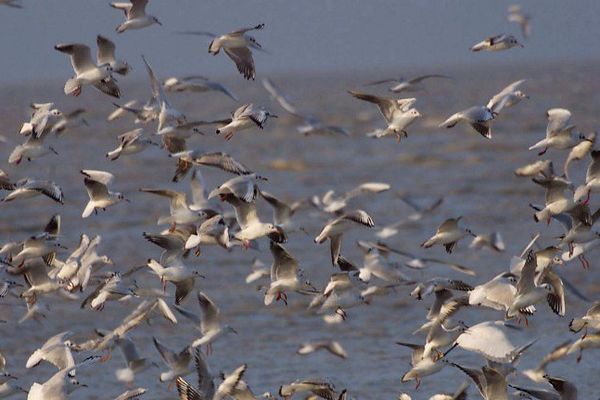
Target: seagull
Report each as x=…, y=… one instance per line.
x=60, y=385
x=206, y=385
x=563, y=390
x=33, y=148
x=135, y=15
x=558, y=198
x=408, y=85
x=490, y=383
x=440, y=334
x=220, y=160
x=499, y=293
x=41, y=245
x=331, y=203
x=332, y=346
x=87, y=72
x=312, y=125
x=538, y=374
x=168, y=115
x=106, y=55
x=478, y=117
x=448, y=234
x=591, y=319
x=587, y=341
x=213, y=231
x=421, y=210
x=334, y=230
x=178, y=363
x=56, y=351
x=232, y=387
x=27, y=188
x=285, y=276
x=68, y=120
x=43, y=115
x=592, y=180
x=197, y=84
x=209, y=324
x=112, y=288
x=177, y=273
x=180, y=212
x=549, y=287
x=497, y=43
x=237, y=46
x=283, y=212
x=491, y=339
x=420, y=366
x=579, y=152
x=516, y=15
x=130, y=142
x=559, y=132
x=135, y=364
x=96, y=183
x=490, y=240
x=540, y=167
x=507, y=97
x=242, y=118
x=397, y=112
x=322, y=389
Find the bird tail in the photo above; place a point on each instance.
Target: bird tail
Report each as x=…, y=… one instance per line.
x=89, y=208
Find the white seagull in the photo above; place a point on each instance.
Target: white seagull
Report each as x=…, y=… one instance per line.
x=478, y=117
x=87, y=72
x=334, y=230
x=209, y=324
x=96, y=183
x=135, y=15
x=397, y=113
x=497, y=43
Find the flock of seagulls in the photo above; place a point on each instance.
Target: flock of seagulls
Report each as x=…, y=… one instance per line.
x=39, y=270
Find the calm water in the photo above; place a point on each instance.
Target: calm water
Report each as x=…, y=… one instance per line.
x=474, y=175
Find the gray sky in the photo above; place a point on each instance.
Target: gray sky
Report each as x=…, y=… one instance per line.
x=299, y=35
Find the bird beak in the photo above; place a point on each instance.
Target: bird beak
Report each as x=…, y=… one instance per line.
x=52, y=150
x=234, y=331
x=158, y=22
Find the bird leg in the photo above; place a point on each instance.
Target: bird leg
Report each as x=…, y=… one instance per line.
x=228, y=136
x=587, y=198
x=579, y=356
x=340, y=311
x=172, y=228
x=418, y=380
x=164, y=284
x=541, y=153
x=209, y=349
x=106, y=357
x=584, y=262
x=570, y=249
x=245, y=244
x=197, y=252
x=398, y=137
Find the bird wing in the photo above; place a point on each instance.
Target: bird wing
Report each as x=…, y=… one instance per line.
x=81, y=56
x=106, y=50
x=210, y=313
x=277, y=95
x=222, y=161
x=285, y=266
x=526, y=281
x=386, y=106
x=242, y=57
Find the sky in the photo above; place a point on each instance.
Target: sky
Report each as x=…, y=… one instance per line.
x=300, y=35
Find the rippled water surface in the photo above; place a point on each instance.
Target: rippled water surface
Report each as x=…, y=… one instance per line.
x=474, y=175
